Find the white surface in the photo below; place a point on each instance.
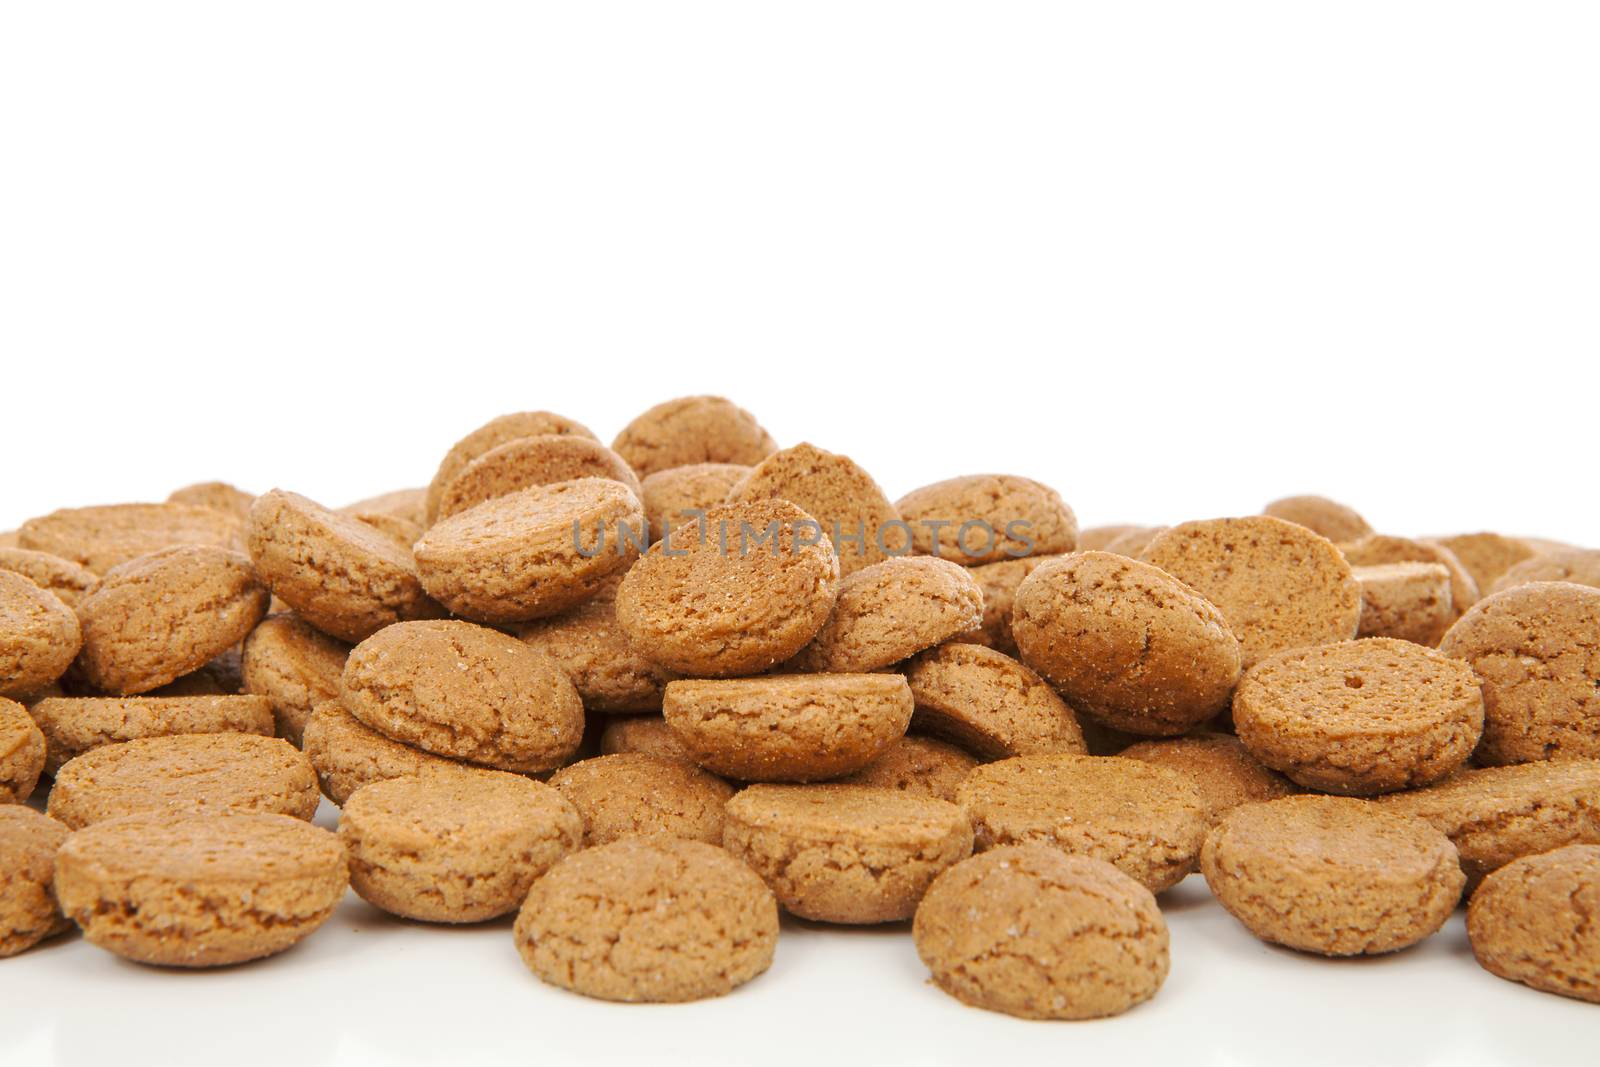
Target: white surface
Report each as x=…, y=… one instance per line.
x=1175, y=259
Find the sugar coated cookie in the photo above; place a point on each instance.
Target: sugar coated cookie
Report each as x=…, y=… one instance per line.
x=75, y=725
x=986, y=518
x=892, y=610
x=1533, y=921
x=39, y=636
x=635, y=795
x=989, y=704
x=28, y=845
x=693, y=429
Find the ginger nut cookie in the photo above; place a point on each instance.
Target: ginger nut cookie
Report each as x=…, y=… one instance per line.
x=1333, y=520
x=845, y=853
x=294, y=666
x=591, y=647
x=1377, y=549
x=1580, y=566
x=348, y=754
x=39, y=636
x=75, y=725
x=1220, y=767
x=100, y=538
x=68, y=581
x=676, y=497
x=28, y=845
x=22, y=753
x=635, y=795
x=407, y=505
x=1487, y=556
x=648, y=734
x=989, y=704
x=1408, y=601
x=693, y=429
x=489, y=436
x=986, y=518
x=530, y=462
x=1533, y=921
x=921, y=766
x=893, y=610
x=217, y=495
x=998, y=583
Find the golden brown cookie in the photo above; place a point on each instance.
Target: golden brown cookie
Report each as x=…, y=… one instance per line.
x=465, y=691
x=22, y=753
x=1133, y=543
x=1533, y=921
x=1145, y=820
x=1332, y=875
x=158, y=617
x=609, y=675
x=100, y=538
x=222, y=675
x=348, y=754
x=675, y=497
x=1375, y=549
x=1580, y=566
x=921, y=766
x=999, y=583
x=1096, y=538
x=68, y=581
x=341, y=575
x=1487, y=556
x=635, y=795
x=491, y=435
x=217, y=495
x=693, y=429
x=1031, y=931
x=8, y=539
x=1126, y=643
x=532, y=553
x=75, y=725
x=845, y=853
x=28, y=912
x=648, y=734
x=744, y=589
x=1220, y=767
x=1536, y=649
x=39, y=636
x=295, y=666
x=200, y=890
x=1497, y=814
x=856, y=516
x=530, y=462
x=408, y=505
x=457, y=846
x=1360, y=717
x=654, y=919
x=986, y=518
x=1408, y=601
x=788, y=727
x=185, y=773
x=892, y=610
x=1333, y=520
x=989, y=704
x=1279, y=585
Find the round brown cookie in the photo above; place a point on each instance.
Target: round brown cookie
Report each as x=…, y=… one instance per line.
x=8, y=539
x=529, y=462
x=458, y=846
x=1487, y=556
x=185, y=773
x=1126, y=642
x=222, y=675
x=28, y=912
x=1380, y=548
x=1331, y=519
x=348, y=754
x=295, y=666
x=156, y=618
x=1096, y=538
x=999, y=582
x=845, y=853
x=746, y=588
x=987, y=518
x=1533, y=921
x=1408, y=601
x=634, y=795
x=532, y=553
x=403, y=532
x=648, y=919
x=75, y=725
x=921, y=766
x=68, y=581
x=1332, y=875
x=1279, y=585
x=693, y=429
x=1497, y=814
x=22, y=749
x=648, y=734
x=1580, y=566
x=609, y=675
x=342, y=576
x=1133, y=543
x=100, y=538
x=989, y=704
x=1220, y=767
x=408, y=505
x=788, y=727
x=218, y=495
x=675, y=497
x=1146, y=821
x=1536, y=650
x=1033, y=932
x=465, y=691
x=855, y=514
x=489, y=436
x=1360, y=717
x=200, y=890
x=892, y=610
x=39, y=636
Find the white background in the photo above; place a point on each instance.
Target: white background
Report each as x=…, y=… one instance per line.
x=1174, y=259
